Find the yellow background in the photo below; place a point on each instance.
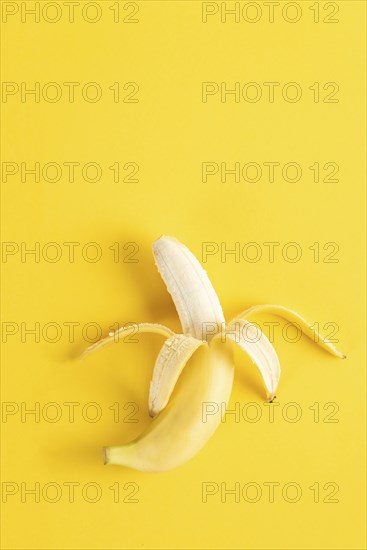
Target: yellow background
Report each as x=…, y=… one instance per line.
x=169, y=133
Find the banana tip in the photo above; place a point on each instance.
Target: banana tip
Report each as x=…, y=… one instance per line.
x=105, y=456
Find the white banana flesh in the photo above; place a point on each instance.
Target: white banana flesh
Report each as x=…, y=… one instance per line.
x=197, y=304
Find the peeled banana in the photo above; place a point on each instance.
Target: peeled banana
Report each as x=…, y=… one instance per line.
x=179, y=429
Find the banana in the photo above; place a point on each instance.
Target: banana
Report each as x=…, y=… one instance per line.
x=171, y=360
x=124, y=331
x=244, y=334
x=195, y=299
x=179, y=428
x=297, y=320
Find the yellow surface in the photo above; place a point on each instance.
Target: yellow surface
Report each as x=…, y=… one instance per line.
x=169, y=133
